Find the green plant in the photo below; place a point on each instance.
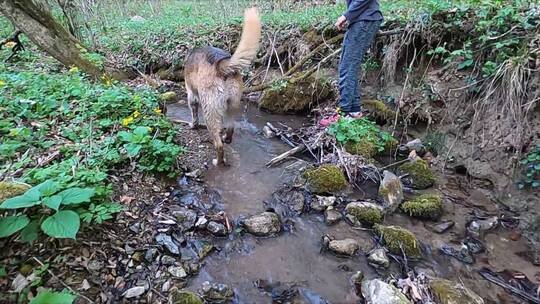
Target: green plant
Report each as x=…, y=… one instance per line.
x=356, y=130
x=98, y=213
x=532, y=169
x=50, y=297
x=63, y=223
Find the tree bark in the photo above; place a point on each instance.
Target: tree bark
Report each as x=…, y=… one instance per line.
x=39, y=25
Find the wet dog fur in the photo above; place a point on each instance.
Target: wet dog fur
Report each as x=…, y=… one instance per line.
x=214, y=82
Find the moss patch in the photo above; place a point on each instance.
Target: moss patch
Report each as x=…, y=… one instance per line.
x=364, y=148
x=447, y=292
x=427, y=206
x=184, y=297
x=367, y=213
x=378, y=109
x=397, y=238
x=9, y=190
x=168, y=96
x=420, y=174
x=326, y=179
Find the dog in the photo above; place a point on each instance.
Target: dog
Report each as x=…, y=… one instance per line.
x=213, y=81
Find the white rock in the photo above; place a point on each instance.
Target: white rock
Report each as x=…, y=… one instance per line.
x=134, y=292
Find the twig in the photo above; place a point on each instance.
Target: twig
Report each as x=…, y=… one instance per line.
x=185, y=122
x=394, y=164
x=62, y=282
x=283, y=156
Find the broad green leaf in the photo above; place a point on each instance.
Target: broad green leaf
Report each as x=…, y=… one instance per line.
x=22, y=201
x=48, y=297
x=30, y=232
x=140, y=131
x=48, y=188
x=74, y=196
x=133, y=149
x=61, y=225
x=53, y=202
x=11, y=224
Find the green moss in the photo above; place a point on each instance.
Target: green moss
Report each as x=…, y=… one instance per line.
x=391, y=145
x=9, y=190
x=168, y=96
x=427, y=206
x=448, y=292
x=367, y=213
x=419, y=173
x=184, y=297
x=397, y=238
x=326, y=179
x=378, y=108
x=363, y=148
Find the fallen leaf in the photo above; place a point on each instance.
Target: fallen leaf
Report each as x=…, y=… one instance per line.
x=124, y=199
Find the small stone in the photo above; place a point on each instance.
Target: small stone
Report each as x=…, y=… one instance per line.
x=167, y=260
x=94, y=265
x=150, y=254
x=356, y=281
x=166, y=286
x=461, y=254
x=129, y=249
x=441, y=227
x=85, y=285
x=137, y=19
x=166, y=240
x=186, y=218
x=216, y=293
x=391, y=191
x=366, y=213
x=478, y=227
x=347, y=247
x=264, y=224
x=135, y=227
x=378, y=258
x=378, y=292
x=320, y=203
x=448, y=292
x=332, y=216
x=417, y=146
x=134, y=292
x=268, y=133
x=217, y=229
x=177, y=272
x=137, y=257
x=201, y=222
x=19, y=283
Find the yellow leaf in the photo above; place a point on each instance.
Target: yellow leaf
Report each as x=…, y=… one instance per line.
x=157, y=110
x=136, y=114
x=127, y=121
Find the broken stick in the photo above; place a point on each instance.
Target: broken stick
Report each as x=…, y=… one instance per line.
x=283, y=156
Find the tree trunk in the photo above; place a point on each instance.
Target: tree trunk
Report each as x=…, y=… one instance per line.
x=39, y=25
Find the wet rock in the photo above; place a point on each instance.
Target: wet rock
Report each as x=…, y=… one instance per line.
x=320, y=203
x=186, y=218
x=184, y=297
x=391, y=191
x=167, y=260
x=134, y=292
x=300, y=96
x=135, y=228
x=441, y=227
x=217, y=229
x=264, y=224
x=168, y=96
x=364, y=147
x=166, y=240
x=378, y=258
x=417, y=146
x=150, y=254
x=378, y=292
x=478, y=227
x=268, y=133
x=202, y=248
x=427, y=206
x=447, y=292
x=137, y=19
x=348, y=247
x=352, y=220
x=177, y=272
x=398, y=239
x=461, y=254
x=366, y=213
x=474, y=245
x=129, y=250
x=419, y=175
x=201, y=222
x=292, y=198
x=216, y=293
x=9, y=190
x=332, y=216
x=326, y=179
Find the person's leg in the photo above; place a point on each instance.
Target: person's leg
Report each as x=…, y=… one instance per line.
x=346, y=86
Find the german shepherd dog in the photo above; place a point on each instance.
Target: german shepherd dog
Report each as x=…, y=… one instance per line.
x=214, y=81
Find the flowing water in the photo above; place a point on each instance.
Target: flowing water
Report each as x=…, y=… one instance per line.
x=295, y=257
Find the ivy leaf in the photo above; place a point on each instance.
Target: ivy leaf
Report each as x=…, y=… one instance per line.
x=53, y=202
x=48, y=297
x=73, y=196
x=11, y=224
x=63, y=224
x=30, y=232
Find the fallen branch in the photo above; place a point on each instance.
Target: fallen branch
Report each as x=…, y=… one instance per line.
x=184, y=122
x=285, y=155
x=13, y=39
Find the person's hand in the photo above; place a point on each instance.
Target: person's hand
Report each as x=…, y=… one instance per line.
x=340, y=23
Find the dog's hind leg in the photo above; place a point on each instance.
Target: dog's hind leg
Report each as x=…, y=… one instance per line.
x=214, y=109
x=193, y=103
x=232, y=113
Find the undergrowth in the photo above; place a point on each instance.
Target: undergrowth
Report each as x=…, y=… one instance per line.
x=356, y=130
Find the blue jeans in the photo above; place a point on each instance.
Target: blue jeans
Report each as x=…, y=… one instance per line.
x=357, y=41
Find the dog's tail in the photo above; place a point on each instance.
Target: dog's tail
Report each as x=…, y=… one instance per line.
x=249, y=44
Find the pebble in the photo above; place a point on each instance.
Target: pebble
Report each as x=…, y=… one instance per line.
x=347, y=247
x=166, y=240
x=217, y=229
x=442, y=227
x=378, y=258
x=134, y=292
x=177, y=271
x=150, y=254
x=332, y=216
x=167, y=260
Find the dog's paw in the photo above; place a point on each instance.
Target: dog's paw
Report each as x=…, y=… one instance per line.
x=226, y=139
x=220, y=164
x=193, y=126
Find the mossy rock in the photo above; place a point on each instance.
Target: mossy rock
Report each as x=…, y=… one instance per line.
x=367, y=213
x=168, y=96
x=448, y=292
x=427, y=206
x=397, y=238
x=363, y=148
x=184, y=297
x=326, y=179
x=420, y=175
x=9, y=190
x=378, y=109
x=296, y=96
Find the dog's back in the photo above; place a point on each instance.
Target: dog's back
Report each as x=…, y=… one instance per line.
x=213, y=80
